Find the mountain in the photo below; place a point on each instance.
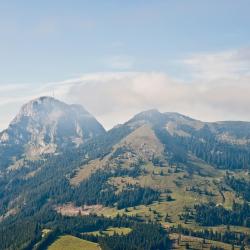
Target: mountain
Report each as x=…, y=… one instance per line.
x=164, y=168
x=45, y=126
x=173, y=139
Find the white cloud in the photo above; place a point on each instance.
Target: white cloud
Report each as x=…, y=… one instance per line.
x=226, y=64
x=219, y=90
x=116, y=100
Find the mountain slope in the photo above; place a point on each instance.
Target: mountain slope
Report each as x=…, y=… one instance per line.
x=172, y=138
x=156, y=166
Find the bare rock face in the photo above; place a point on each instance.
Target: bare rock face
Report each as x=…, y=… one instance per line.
x=45, y=125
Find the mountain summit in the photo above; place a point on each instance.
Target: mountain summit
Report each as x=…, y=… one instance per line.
x=45, y=125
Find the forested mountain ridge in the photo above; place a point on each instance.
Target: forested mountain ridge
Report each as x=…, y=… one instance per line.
x=157, y=167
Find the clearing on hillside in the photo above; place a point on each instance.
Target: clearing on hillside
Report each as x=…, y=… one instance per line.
x=67, y=242
x=111, y=231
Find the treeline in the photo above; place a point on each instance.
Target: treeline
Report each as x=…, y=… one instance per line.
x=174, y=151
x=24, y=232
x=234, y=238
x=213, y=215
x=240, y=186
x=18, y=234
x=204, y=144
x=143, y=236
x=97, y=190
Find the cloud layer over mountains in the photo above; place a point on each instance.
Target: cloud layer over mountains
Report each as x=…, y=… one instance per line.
x=215, y=87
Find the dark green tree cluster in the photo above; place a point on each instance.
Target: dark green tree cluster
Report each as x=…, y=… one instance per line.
x=212, y=215
x=144, y=236
x=205, y=145
x=24, y=232
x=239, y=185
x=96, y=190
x=227, y=236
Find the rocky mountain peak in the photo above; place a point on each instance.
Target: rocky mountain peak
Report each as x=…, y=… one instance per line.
x=38, y=108
x=151, y=116
x=45, y=124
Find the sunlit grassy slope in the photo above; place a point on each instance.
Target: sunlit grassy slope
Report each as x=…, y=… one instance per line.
x=111, y=231
x=68, y=242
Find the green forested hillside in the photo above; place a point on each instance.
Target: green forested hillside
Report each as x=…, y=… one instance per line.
x=159, y=174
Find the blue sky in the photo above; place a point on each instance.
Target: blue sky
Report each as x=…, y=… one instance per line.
x=45, y=42
x=54, y=40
